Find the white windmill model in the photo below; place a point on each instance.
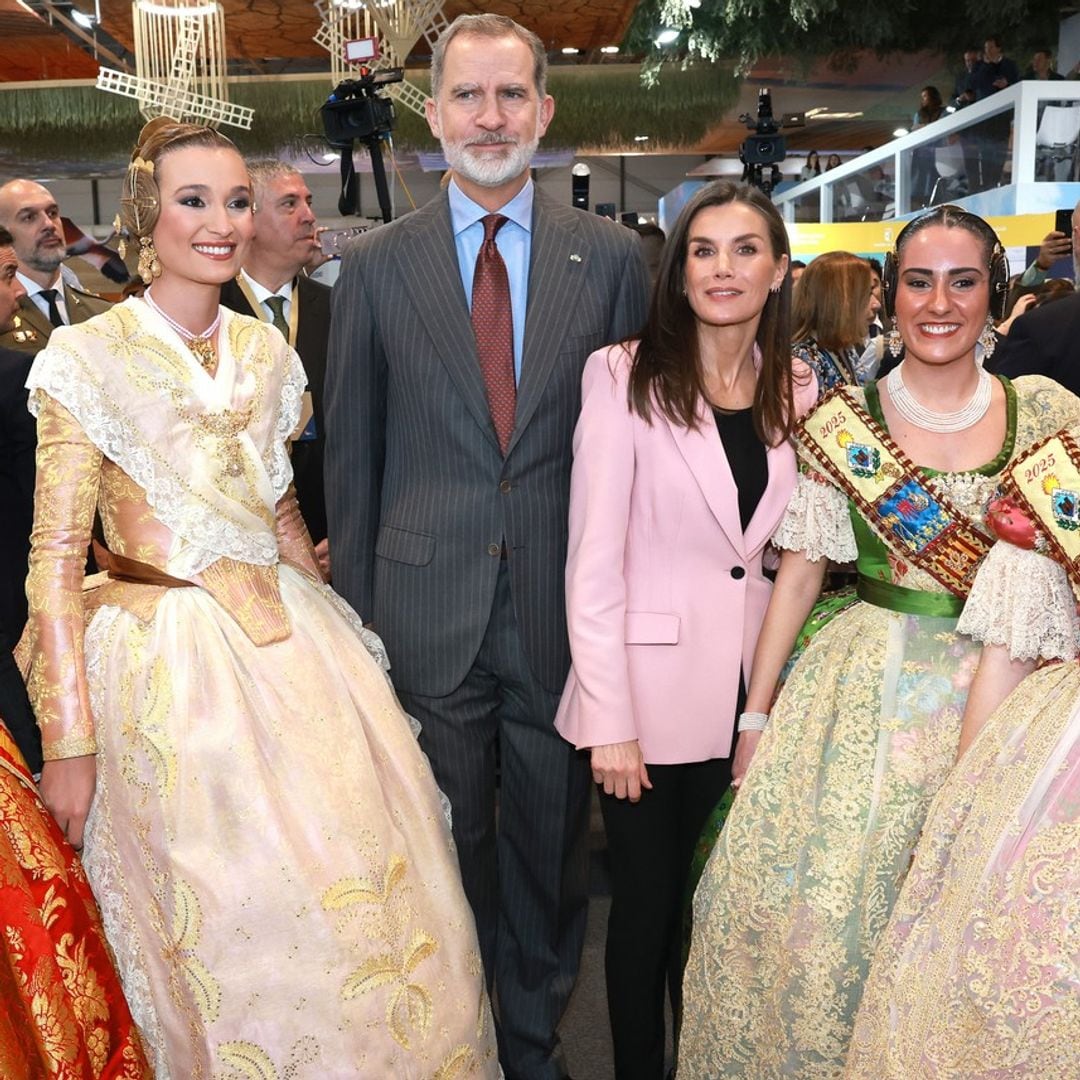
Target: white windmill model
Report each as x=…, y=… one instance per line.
x=180, y=64
x=398, y=24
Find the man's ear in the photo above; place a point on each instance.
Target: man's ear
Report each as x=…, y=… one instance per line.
x=431, y=111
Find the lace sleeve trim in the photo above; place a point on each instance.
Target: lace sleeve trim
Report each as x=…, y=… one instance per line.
x=278, y=463
x=817, y=522
x=1023, y=600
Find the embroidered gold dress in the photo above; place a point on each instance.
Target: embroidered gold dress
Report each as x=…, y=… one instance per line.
x=804, y=875
x=266, y=842
x=977, y=976
x=62, y=1013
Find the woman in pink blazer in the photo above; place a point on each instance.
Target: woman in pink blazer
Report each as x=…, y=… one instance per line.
x=682, y=470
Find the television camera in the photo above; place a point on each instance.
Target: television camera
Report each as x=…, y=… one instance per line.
x=356, y=111
x=762, y=152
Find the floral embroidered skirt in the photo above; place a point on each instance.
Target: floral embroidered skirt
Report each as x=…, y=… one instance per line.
x=977, y=976
x=62, y=1012
x=803, y=878
x=270, y=852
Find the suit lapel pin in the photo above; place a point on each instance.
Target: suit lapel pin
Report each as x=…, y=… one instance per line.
x=575, y=257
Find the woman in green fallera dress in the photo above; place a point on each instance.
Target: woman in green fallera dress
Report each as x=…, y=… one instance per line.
x=835, y=784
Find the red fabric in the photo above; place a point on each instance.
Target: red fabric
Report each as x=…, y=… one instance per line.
x=62, y=1012
x=1010, y=523
x=493, y=325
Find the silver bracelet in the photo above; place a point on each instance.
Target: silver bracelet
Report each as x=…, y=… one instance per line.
x=752, y=721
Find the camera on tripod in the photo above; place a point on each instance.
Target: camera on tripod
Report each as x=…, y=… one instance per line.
x=355, y=109
x=766, y=146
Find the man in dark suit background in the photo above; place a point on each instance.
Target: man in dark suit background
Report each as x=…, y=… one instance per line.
x=1044, y=341
x=18, y=442
x=457, y=343
x=273, y=287
x=53, y=295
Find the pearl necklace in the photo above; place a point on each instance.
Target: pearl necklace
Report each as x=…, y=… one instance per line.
x=942, y=423
x=200, y=344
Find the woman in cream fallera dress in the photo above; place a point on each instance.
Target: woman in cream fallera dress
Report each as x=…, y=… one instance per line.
x=266, y=842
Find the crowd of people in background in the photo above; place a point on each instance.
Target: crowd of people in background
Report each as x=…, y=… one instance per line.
x=335, y=610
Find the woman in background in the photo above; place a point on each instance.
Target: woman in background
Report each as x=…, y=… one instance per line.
x=834, y=305
x=812, y=167
x=833, y=792
x=682, y=470
x=923, y=170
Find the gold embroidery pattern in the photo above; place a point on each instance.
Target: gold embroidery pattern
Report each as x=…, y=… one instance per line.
x=976, y=975
x=803, y=878
x=386, y=915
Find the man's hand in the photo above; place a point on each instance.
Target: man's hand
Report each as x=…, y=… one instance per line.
x=67, y=789
x=322, y=556
x=1055, y=245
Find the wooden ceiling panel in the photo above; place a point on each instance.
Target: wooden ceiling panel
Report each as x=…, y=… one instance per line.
x=30, y=49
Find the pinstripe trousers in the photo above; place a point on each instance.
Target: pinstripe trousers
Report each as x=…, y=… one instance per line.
x=523, y=850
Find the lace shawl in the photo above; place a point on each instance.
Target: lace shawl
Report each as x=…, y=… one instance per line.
x=210, y=453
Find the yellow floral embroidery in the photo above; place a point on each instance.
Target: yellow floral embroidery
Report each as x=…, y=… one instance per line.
x=180, y=951
x=408, y=1004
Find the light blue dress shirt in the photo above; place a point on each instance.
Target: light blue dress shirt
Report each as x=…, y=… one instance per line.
x=514, y=241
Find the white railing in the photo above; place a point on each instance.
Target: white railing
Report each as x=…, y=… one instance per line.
x=1039, y=167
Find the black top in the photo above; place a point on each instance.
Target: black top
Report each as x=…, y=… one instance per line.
x=746, y=456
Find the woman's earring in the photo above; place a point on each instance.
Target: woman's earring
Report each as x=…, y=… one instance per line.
x=894, y=341
x=988, y=339
x=149, y=266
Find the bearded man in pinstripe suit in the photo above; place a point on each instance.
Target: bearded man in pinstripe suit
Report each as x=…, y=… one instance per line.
x=447, y=497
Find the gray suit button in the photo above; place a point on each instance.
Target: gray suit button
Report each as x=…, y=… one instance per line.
x=494, y=549
x=505, y=486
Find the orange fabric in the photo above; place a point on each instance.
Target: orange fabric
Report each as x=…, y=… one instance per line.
x=62, y=1012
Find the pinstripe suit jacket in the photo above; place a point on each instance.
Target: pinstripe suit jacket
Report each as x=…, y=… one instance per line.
x=419, y=497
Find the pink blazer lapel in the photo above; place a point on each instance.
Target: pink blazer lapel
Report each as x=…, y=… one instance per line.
x=770, y=509
x=704, y=455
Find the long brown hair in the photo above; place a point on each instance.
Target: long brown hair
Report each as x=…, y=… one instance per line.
x=666, y=371
x=830, y=305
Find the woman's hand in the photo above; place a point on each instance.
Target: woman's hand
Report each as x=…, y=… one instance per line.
x=621, y=769
x=67, y=789
x=744, y=751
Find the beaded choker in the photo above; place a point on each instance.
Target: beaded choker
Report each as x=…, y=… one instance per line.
x=202, y=344
x=941, y=423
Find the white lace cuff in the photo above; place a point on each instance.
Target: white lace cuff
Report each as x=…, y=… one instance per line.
x=1023, y=600
x=817, y=523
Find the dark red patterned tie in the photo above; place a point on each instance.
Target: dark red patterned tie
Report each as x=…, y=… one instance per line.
x=493, y=325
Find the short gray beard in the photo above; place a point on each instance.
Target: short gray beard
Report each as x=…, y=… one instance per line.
x=486, y=172
x=45, y=265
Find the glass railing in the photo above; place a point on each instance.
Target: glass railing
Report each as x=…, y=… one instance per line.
x=990, y=155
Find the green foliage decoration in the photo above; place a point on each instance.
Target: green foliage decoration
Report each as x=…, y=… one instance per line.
x=601, y=107
x=745, y=30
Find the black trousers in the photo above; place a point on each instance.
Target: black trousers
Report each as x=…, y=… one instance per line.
x=650, y=846
x=525, y=876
